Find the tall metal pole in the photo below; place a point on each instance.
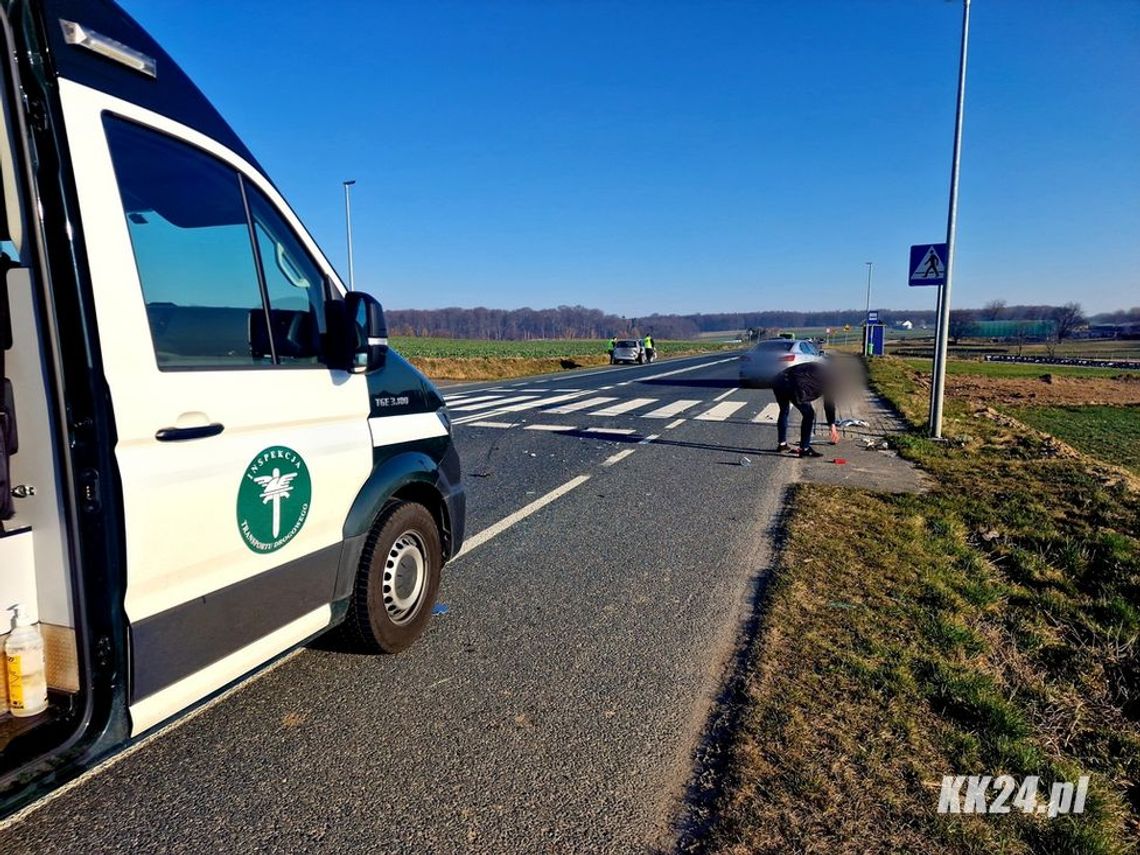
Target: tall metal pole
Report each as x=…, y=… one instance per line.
x=870, y=264
x=867, y=313
x=938, y=387
x=348, y=233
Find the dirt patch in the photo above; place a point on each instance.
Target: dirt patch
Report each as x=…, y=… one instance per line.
x=1047, y=390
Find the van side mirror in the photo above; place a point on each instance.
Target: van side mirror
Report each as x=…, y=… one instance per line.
x=367, y=333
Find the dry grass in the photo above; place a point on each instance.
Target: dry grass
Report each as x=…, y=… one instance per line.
x=500, y=368
x=507, y=367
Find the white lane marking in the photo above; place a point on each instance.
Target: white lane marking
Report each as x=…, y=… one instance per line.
x=674, y=424
x=690, y=368
x=22, y=814
x=604, y=388
x=580, y=405
x=621, y=455
x=487, y=404
x=624, y=407
x=618, y=431
x=768, y=414
x=650, y=438
x=392, y=430
x=551, y=428
x=721, y=411
x=521, y=514
x=670, y=410
x=491, y=424
x=724, y=395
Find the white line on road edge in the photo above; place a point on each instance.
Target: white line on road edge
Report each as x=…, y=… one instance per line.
x=650, y=438
x=725, y=395
x=492, y=424
x=521, y=514
x=621, y=455
x=672, y=425
x=134, y=747
x=551, y=428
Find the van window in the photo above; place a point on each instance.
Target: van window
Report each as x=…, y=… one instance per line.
x=190, y=236
x=294, y=284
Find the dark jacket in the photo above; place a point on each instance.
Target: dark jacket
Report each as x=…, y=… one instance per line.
x=803, y=384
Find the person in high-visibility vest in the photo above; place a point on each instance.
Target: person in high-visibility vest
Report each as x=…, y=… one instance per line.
x=650, y=353
x=613, y=344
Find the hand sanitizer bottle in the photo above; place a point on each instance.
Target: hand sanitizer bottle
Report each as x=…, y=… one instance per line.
x=24, y=656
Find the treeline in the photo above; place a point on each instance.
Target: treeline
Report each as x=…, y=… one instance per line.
x=581, y=322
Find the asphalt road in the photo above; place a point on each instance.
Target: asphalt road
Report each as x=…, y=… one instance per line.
x=554, y=707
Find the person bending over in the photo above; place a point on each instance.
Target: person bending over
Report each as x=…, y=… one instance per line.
x=802, y=385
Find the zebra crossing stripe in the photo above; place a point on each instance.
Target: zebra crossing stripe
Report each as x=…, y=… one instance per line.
x=456, y=400
x=624, y=407
x=721, y=411
x=542, y=402
x=767, y=415
x=497, y=403
x=579, y=405
x=670, y=410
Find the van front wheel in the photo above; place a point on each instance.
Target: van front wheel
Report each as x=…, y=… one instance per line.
x=398, y=580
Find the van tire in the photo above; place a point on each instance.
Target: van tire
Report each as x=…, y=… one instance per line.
x=403, y=548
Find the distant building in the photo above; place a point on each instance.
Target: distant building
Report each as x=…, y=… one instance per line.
x=906, y=325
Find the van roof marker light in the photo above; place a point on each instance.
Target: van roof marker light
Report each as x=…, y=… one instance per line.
x=76, y=34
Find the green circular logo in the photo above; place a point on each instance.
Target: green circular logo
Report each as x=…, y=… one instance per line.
x=273, y=499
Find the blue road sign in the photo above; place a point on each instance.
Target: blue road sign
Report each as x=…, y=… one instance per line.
x=928, y=264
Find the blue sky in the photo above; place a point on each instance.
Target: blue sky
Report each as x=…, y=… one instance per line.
x=688, y=156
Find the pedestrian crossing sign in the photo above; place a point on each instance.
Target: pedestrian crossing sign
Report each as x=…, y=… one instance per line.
x=928, y=264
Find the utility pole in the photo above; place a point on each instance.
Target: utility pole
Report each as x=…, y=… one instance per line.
x=938, y=386
x=348, y=232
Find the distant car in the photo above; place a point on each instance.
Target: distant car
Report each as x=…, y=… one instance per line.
x=760, y=365
x=627, y=350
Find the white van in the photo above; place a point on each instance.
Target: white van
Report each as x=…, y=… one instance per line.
x=208, y=455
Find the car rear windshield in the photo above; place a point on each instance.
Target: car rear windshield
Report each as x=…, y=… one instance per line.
x=627, y=343
x=776, y=345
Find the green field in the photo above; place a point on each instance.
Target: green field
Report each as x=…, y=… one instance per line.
x=978, y=368
x=463, y=348
x=1110, y=433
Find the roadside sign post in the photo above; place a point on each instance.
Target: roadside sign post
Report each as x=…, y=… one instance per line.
x=938, y=386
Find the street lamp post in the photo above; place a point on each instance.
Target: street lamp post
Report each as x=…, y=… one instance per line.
x=867, y=313
x=938, y=386
x=348, y=232
x=870, y=265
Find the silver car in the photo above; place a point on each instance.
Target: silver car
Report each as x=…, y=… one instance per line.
x=627, y=350
x=760, y=365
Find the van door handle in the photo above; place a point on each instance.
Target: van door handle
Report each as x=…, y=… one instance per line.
x=180, y=434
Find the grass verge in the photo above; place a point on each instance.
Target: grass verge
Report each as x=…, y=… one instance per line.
x=1110, y=433
x=991, y=626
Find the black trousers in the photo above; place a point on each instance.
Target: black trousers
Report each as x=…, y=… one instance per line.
x=807, y=411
